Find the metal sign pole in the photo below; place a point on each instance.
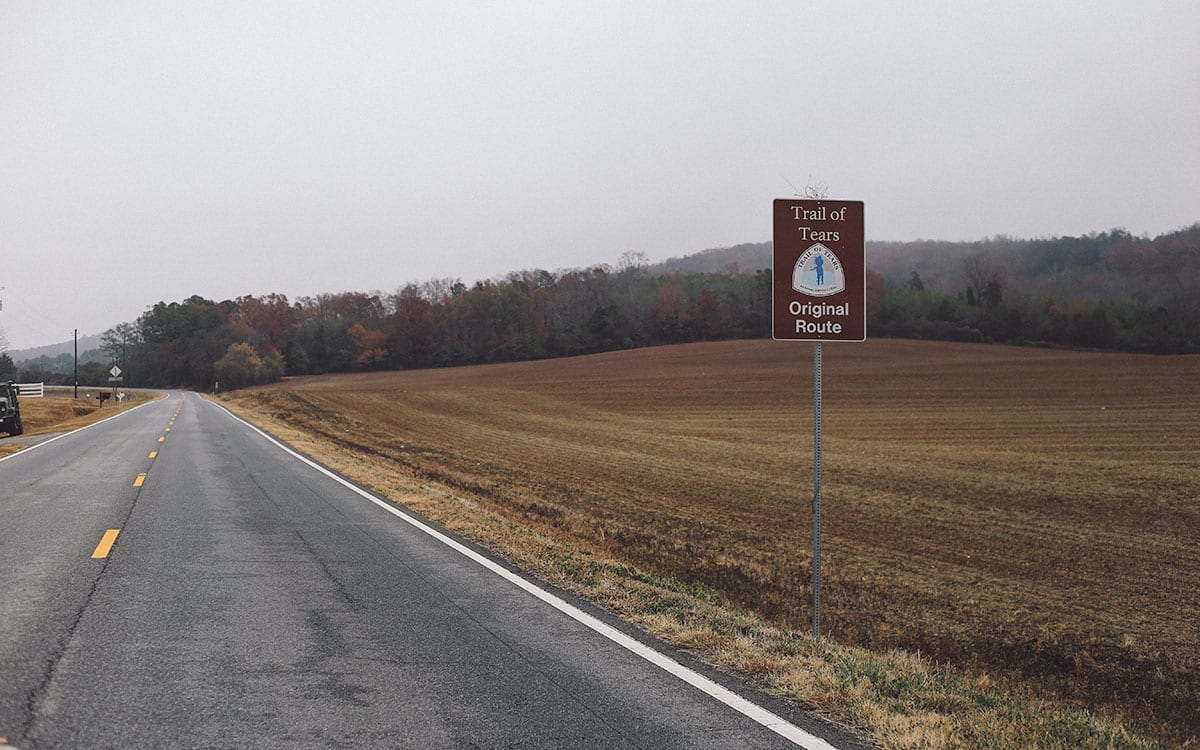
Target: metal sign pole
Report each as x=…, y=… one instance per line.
x=816, y=618
x=818, y=294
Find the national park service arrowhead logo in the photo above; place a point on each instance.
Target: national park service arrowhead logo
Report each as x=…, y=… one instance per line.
x=818, y=273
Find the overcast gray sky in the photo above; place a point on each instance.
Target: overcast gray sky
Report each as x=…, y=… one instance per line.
x=154, y=150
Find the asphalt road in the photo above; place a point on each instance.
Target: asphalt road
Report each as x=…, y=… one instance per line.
x=251, y=599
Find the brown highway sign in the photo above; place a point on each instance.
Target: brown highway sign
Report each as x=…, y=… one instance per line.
x=819, y=288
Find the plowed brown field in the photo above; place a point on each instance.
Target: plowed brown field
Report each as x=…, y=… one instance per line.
x=1033, y=514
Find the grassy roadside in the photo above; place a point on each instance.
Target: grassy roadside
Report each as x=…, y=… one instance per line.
x=898, y=699
x=43, y=416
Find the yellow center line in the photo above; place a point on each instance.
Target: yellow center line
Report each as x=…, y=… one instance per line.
x=160, y=439
x=140, y=479
x=153, y=454
x=106, y=543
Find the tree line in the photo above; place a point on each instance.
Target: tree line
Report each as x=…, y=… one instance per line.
x=1106, y=291
x=535, y=314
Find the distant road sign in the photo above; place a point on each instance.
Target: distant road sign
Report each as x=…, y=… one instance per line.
x=115, y=371
x=819, y=290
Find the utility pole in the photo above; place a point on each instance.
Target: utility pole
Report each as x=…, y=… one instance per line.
x=76, y=363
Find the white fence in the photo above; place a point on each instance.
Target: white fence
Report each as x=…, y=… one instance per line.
x=31, y=390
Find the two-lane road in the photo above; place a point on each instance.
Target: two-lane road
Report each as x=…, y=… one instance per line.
x=174, y=578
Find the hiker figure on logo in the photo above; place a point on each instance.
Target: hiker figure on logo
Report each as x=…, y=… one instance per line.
x=818, y=272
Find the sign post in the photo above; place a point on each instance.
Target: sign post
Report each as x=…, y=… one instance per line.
x=115, y=378
x=818, y=294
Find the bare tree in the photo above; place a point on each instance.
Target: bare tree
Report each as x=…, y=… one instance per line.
x=986, y=278
x=115, y=341
x=632, y=263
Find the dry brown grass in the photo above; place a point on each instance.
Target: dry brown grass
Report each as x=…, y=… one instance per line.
x=1025, y=518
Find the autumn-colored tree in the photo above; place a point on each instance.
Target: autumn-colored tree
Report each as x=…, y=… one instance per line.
x=670, y=315
x=411, y=332
x=268, y=321
x=368, y=347
x=240, y=366
x=710, y=316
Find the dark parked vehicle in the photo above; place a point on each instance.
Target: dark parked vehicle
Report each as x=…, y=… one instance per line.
x=10, y=410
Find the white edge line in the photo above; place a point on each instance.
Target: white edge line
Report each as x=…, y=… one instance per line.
x=743, y=706
x=35, y=446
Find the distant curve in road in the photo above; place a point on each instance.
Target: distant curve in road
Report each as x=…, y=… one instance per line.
x=175, y=577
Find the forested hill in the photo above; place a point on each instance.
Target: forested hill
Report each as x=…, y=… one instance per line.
x=1102, y=291
x=1106, y=267
x=746, y=258
x=1106, y=290
x=1110, y=266
x=53, y=351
